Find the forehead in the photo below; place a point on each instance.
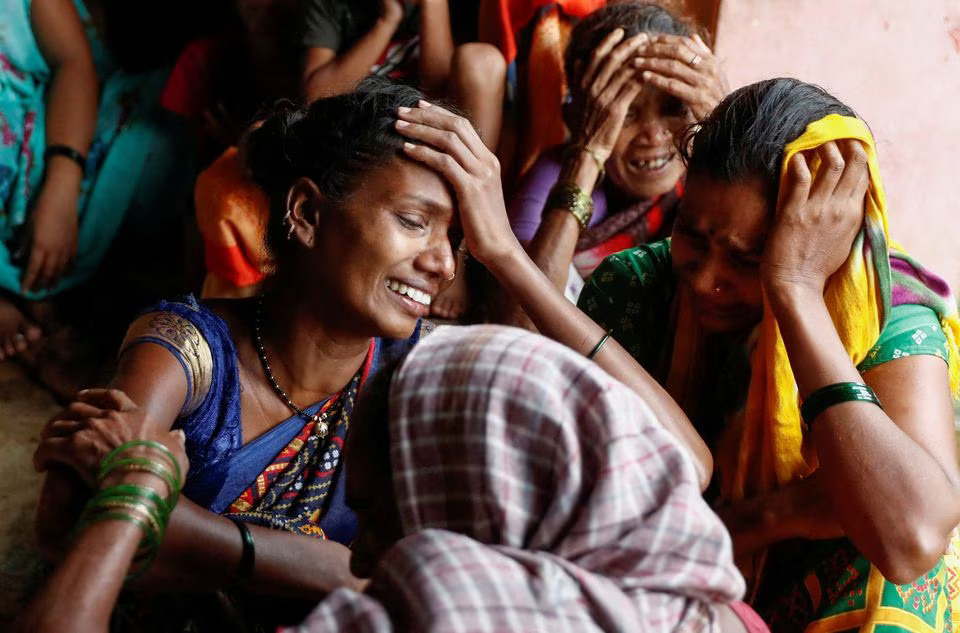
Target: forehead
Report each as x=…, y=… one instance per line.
x=736, y=212
x=405, y=182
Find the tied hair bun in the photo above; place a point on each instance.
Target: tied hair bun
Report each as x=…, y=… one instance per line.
x=273, y=148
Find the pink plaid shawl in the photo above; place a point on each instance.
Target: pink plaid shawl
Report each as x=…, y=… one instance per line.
x=539, y=494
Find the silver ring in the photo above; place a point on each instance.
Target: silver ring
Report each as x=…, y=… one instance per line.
x=695, y=60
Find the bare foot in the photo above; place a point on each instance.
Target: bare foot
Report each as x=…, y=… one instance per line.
x=17, y=332
x=452, y=302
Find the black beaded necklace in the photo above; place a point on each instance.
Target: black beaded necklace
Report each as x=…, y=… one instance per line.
x=319, y=418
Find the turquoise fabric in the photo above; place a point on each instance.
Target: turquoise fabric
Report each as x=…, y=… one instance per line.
x=130, y=145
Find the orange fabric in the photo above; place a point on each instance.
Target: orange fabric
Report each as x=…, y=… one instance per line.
x=516, y=14
x=232, y=214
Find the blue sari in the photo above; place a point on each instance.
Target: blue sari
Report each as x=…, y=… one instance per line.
x=274, y=480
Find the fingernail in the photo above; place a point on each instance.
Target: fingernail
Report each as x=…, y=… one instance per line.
x=424, y=104
x=83, y=392
x=646, y=75
x=401, y=123
x=408, y=146
x=403, y=109
x=637, y=61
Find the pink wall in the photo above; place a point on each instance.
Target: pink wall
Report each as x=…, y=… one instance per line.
x=897, y=63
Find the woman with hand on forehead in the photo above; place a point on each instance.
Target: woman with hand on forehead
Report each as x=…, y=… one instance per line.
x=638, y=76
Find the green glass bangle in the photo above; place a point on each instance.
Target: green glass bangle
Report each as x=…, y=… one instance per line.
x=153, y=503
x=105, y=464
x=135, y=491
x=599, y=346
x=145, y=464
x=134, y=506
x=826, y=397
x=148, y=542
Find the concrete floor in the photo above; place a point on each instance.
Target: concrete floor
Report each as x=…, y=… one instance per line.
x=24, y=408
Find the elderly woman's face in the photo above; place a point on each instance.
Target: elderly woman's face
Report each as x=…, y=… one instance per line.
x=717, y=246
x=384, y=254
x=644, y=162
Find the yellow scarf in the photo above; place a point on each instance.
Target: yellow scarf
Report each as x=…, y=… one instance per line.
x=774, y=448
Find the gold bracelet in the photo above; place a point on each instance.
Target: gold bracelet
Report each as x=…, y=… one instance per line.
x=568, y=195
x=592, y=153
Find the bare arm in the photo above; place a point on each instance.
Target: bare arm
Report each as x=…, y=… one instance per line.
x=326, y=73
x=894, y=483
x=436, y=45
x=202, y=550
x=608, y=86
x=81, y=593
x=474, y=176
x=71, y=117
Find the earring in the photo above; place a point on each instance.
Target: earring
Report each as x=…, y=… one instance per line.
x=288, y=222
x=453, y=276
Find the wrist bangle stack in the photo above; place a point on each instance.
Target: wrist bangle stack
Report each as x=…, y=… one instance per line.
x=825, y=397
x=66, y=152
x=567, y=195
x=133, y=503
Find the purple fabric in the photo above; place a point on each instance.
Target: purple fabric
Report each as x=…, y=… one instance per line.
x=526, y=206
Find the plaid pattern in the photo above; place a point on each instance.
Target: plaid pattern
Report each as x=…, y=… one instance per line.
x=540, y=495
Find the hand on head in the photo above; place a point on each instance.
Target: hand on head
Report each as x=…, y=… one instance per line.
x=450, y=145
x=100, y=420
x=607, y=87
x=818, y=216
x=684, y=67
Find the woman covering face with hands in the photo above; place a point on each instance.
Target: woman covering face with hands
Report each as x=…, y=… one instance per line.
x=637, y=77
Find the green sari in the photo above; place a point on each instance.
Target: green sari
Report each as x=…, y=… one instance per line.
x=805, y=585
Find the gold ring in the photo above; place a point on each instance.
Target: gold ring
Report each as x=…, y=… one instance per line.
x=695, y=60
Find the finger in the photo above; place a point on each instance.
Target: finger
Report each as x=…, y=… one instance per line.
x=51, y=451
x=615, y=60
x=440, y=162
x=599, y=53
x=704, y=49
x=856, y=174
x=682, y=49
x=798, y=184
x=689, y=95
x=829, y=171
x=61, y=428
x=613, y=94
x=670, y=68
x=34, y=268
x=113, y=399
x=452, y=134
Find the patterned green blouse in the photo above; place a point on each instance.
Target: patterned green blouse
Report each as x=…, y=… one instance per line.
x=632, y=291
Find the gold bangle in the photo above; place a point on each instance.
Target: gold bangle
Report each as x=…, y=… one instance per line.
x=592, y=153
x=569, y=196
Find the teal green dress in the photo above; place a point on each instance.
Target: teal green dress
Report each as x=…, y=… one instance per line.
x=129, y=163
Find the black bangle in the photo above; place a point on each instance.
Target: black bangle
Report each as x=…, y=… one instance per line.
x=825, y=397
x=248, y=558
x=66, y=152
x=596, y=350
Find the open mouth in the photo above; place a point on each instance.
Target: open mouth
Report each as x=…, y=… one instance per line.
x=414, y=294
x=652, y=165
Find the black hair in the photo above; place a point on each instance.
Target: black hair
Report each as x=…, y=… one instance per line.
x=633, y=17
x=745, y=135
x=334, y=142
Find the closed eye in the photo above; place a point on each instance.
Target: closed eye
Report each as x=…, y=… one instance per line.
x=410, y=223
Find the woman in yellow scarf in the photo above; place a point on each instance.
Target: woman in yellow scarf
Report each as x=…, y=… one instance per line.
x=781, y=319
